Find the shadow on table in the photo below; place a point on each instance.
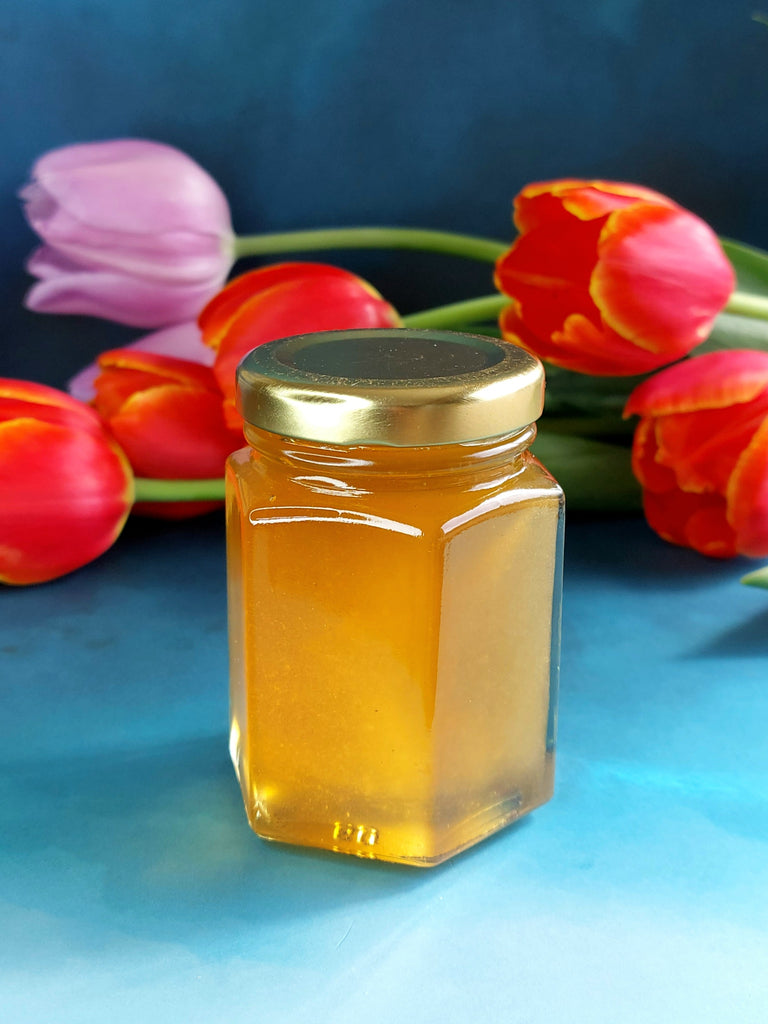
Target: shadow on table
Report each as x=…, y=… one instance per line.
x=155, y=842
x=748, y=639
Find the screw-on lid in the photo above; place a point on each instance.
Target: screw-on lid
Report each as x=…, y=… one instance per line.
x=390, y=387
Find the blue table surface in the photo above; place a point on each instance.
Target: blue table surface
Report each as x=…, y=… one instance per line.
x=132, y=890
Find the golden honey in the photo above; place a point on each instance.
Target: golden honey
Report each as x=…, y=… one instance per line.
x=394, y=607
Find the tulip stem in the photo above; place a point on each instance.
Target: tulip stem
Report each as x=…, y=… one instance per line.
x=179, y=490
x=594, y=474
x=747, y=304
x=470, y=247
x=470, y=311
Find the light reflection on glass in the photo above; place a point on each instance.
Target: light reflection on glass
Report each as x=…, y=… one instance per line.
x=301, y=514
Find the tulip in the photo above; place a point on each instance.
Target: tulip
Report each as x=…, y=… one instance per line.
x=282, y=300
x=700, y=452
x=168, y=417
x=134, y=231
x=65, y=487
x=183, y=341
x=610, y=279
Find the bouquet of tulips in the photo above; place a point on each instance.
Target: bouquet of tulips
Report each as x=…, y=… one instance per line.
x=631, y=301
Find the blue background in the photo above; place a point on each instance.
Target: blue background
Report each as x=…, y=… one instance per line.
x=338, y=112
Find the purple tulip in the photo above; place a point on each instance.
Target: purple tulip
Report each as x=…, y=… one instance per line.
x=134, y=231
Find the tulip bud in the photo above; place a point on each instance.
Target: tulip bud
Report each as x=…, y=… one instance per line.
x=183, y=341
x=167, y=414
x=134, y=231
x=65, y=487
x=610, y=279
x=700, y=452
x=283, y=300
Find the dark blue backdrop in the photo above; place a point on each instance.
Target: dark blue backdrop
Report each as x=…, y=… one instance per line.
x=423, y=112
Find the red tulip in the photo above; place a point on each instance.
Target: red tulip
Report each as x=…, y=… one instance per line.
x=183, y=341
x=167, y=415
x=65, y=487
x=610, y=279
x=701, y=452
x=282, y=300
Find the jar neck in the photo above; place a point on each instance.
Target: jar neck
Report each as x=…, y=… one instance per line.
x=466, y=456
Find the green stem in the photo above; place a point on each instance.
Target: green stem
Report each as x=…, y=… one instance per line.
x=595, y=476
x=747, y=304
x=456, y=314
x=471, y=247
x=179, y=490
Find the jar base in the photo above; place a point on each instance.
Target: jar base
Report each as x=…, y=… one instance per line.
x=407, y=842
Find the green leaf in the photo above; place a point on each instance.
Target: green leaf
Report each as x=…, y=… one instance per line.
x=596, y=477
x=758, y=578
x=750, y=264
x=588, y=407
x=732, y=331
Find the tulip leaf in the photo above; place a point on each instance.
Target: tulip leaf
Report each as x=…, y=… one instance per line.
x=733, y=331
x=750, y=264
x=596, y=477
x=573, y=394
x=758, y=578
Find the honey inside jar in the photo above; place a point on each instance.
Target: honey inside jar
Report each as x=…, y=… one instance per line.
x=394, y=615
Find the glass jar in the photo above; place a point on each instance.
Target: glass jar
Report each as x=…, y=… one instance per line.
x=394, y=562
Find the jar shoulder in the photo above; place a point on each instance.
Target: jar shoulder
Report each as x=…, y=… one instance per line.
x=428, y=503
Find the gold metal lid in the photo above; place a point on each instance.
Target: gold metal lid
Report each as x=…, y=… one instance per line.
x=406, y=388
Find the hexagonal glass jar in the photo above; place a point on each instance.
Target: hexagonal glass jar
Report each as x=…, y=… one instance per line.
x=394, y=563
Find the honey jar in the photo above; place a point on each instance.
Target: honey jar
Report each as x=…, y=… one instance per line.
x=394, y=565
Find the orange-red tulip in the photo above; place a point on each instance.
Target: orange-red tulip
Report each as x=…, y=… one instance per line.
x=701, y=452
x=282, y=300
x=65, y=487
x=608, y=278
x=168, y=417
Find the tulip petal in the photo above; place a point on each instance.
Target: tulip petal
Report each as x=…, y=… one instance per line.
x=547, y=272
x=513, y=329
x=64, y=497
x=127, y=371
x=580, y=346
x=175, y=258
x=651, y=475
x=691, y=520
x=123, y=183
x=180, y=342
x=661, y=277
x=599, y=351
x=708, y=532
x=21, y=399
x=703, y=447
x=219, y=313
x=319, y=303
x=164, y=368
x=127, y=300
x=175, y=432
x=748, y=496
x=543, y=202
x=715, y=380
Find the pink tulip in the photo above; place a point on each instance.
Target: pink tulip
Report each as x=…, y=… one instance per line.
x=184, y=341
x=134, y=231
